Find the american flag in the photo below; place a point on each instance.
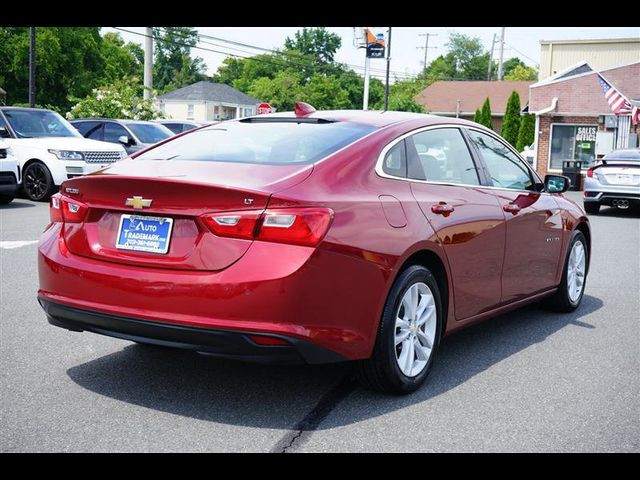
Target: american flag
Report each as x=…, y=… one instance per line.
x=618, y=103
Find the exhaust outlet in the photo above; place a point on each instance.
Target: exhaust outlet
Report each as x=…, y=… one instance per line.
x=622, y=204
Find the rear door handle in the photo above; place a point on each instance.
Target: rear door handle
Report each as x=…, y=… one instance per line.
x=511, y=207
x=442, y=209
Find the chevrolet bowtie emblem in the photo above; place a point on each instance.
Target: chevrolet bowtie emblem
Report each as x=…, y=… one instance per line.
x=138, y=203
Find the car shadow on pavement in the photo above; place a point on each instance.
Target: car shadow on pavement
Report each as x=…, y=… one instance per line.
x=631, y=212
x=16, y=204
x=187, y=384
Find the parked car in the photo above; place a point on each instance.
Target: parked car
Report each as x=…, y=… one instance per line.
x=313, y=237
x=49, y=150
x=9, y=174
x=179, y=126
x=529, y=154
x=614, y=181
x=134, y=135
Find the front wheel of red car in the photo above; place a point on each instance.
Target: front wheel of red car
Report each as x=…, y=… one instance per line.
x=574, y=276
x=408, y=335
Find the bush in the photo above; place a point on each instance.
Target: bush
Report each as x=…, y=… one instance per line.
x=527, y=132
x=511, y=122
x=122, y=99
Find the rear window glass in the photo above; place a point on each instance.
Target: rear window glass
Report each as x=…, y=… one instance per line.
x=265, y=143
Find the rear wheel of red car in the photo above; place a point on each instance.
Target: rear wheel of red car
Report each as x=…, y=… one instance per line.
x=574, y=276
x=408, y=335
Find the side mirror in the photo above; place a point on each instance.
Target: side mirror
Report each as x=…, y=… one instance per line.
x=123, y=139
x=4, y=133
x=556, y=183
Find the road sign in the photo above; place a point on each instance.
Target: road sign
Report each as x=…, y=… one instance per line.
x=264, y=108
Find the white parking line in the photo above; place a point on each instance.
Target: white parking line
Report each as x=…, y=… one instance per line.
x=16, y=243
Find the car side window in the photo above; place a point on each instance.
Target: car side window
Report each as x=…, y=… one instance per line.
x=505, y=168
x=441, y=155
x=395, y=162
x=113, y=131
x=85, y=127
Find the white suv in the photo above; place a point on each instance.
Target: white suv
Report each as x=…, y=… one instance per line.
x=9, y=174
x=50, y=150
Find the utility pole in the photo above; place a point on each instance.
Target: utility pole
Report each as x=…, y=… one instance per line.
x=32, y=67
x=365, y=98
x=148, y=63
x=386, y=88
x=426, y=49
x=501, y=54
x=493, y=42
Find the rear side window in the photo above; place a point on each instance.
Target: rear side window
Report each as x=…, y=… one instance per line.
x=113, y=131
x=395, y=162
x=269, y=142
x=175, y=127
x=441, y=155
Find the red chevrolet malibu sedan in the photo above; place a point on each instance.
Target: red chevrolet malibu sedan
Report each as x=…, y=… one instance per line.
x=313, y=237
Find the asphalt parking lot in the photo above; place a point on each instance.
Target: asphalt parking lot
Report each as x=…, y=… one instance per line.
x=529, y=380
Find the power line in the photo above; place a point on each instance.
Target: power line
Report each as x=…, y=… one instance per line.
x=280, y=62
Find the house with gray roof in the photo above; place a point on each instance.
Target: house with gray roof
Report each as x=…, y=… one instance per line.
x=206, y=101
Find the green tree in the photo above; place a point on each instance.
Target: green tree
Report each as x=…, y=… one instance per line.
x=486, y=118
x=324, y=93
x=509, y=65
x=511, y=121
x=122, y=99
x=471, y=61
x=173, y=66
x=69, y=63
x=281, y=91
x=522, y=72
x=478, y=116
x=318, y=43
x=120, y=60
x=527, y=132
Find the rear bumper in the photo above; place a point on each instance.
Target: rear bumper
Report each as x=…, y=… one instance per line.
x=317, y=296
x=218, y=343
x=8, y=183
x=608, y=197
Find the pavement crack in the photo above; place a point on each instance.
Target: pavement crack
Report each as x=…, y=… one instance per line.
x=312, y=420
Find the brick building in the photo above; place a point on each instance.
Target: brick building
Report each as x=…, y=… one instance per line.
x=461, y=98
x=573, y=118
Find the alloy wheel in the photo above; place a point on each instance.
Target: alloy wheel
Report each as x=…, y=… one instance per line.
x=576, y=271
x=415, y=329
x=36, y=182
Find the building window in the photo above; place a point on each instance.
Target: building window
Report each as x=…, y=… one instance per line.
x=190, y=111
x=572, y=142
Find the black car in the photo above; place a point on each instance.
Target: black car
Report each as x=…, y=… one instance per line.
x=134, y=135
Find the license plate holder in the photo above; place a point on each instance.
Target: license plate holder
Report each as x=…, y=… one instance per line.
x=141, y=233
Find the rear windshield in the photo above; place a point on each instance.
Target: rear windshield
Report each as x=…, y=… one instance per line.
x=261, y=142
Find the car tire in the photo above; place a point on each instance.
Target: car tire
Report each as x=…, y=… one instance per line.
x=37, y=182
x=565, y=300
x=383, y=371
x=591, y=208
x=7, y=198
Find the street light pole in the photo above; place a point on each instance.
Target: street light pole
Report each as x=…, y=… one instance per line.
x=386, y=90
x=32, y=67
x=501, y=54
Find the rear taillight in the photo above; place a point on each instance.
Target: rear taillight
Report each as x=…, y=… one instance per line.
x=64, y=209
x=234, y=224
x=590, y=173
x=55, y=210
x=297, y=226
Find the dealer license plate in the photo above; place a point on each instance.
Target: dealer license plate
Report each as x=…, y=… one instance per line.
x=144, y=234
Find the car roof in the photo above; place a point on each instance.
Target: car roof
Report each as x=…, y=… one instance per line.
x=4, y=107
x=376, y=118
x=623, y=154
x=108, y=120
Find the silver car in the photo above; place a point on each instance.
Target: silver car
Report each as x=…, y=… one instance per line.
x=614, y=181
